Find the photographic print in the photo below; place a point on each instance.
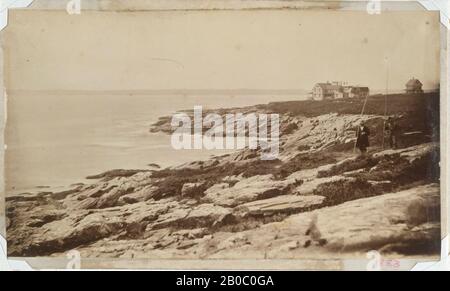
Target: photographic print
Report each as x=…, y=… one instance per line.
x=223, y=134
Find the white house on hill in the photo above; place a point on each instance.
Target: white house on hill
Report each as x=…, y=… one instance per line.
x=337, y=90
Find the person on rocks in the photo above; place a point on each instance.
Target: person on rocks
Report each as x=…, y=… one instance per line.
x=392, y=131
x=314, y=233
x=336, y=136
x=362, y=138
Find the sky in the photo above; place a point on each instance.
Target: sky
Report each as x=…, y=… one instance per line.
x=259, y=49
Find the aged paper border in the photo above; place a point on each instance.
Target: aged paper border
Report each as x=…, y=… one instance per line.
x=143, y=5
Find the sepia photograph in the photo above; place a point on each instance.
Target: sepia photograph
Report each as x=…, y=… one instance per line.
x=261, y=134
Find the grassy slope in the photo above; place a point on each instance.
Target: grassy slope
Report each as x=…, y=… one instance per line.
x=397, y=103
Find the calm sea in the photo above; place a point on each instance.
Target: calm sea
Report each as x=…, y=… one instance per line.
x=56, y=140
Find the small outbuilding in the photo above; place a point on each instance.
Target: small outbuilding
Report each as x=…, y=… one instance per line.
x=414, y=86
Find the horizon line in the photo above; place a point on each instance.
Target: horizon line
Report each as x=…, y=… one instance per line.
x=163, y=91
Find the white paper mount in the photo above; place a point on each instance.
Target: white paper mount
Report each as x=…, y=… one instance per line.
x=7, y=4
x=439, y=5
x=6, y=264
x=433, y=5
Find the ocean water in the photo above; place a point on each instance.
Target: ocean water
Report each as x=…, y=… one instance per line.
x=56, y=140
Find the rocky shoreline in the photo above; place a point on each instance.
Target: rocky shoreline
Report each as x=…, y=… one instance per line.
x=318, y=198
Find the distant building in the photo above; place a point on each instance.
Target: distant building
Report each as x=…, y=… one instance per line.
x=414, y=86
x=323, y=91
x=359, y=92
x=337, y=90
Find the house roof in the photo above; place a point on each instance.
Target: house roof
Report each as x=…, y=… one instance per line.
x=340, y=88
x=329, y=86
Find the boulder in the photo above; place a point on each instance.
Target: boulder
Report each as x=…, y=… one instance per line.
x=68, y=233
x=96, y=191
x=410, y=152
x=144, y=194
x=246, y=190
x=143, y=212
x=127, y=199
x=382, y=223
x=216, y=188
x=204, y=215
x=191, y=233
x=88, y=203
x=288, y=204
x=135, y=230
x=170, y=219
x=192, y=189
x=372, y=223
x=41, y=219
x=309, y=187
x=111, y=198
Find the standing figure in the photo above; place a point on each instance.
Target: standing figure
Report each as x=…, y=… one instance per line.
x=392, y=131
x=362, y=138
